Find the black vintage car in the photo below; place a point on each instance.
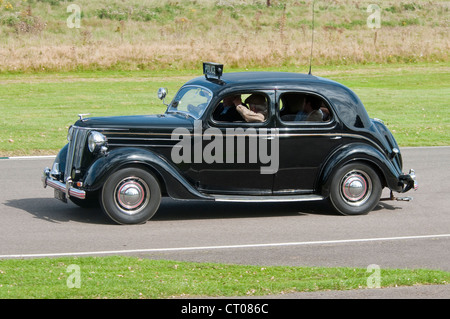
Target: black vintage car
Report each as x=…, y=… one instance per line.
x=250, y=136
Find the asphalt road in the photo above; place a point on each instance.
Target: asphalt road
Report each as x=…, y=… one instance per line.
x=396, y=234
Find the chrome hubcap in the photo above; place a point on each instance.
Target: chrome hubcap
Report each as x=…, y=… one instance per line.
x=131, y=195
x=356, y=187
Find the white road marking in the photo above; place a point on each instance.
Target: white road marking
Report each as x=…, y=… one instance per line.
x=154, y=250
x=31, y=157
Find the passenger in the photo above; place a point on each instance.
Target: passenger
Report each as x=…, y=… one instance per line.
x=325, y=112
x=312, y=109
x=293, y=107
x=258, y=108
x=226, y=111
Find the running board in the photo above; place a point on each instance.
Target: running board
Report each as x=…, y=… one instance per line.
x=266, y=198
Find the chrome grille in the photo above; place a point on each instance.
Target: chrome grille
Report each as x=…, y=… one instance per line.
x=75, y=151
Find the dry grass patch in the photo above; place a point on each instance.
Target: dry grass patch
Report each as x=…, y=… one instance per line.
x=165, y=34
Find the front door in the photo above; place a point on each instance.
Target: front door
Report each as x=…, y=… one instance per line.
x=237, y=155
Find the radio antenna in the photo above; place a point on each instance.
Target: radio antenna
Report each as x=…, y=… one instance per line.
x=312, y=38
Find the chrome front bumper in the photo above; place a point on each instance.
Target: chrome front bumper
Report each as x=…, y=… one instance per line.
x=64, y=188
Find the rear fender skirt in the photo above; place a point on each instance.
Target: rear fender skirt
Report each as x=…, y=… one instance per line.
x=174, y=183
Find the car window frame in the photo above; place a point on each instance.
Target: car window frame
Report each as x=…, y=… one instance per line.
x=268, y=93
x=304, y=124
x=207, y=106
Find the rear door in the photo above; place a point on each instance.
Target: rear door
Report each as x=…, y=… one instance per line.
x=304, y=144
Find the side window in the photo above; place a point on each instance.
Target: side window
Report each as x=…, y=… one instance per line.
x=242, y=108
x=303, y=107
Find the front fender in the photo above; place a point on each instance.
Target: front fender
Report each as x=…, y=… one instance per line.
x=368, y=154
x=174, y=183
x=59, y=164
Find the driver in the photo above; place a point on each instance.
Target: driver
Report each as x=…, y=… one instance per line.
x=226, y=111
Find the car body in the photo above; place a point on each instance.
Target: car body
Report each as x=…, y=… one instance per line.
x=127, y=163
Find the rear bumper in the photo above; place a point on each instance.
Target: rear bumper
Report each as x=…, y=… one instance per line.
x=409, y=181
x=66, y=188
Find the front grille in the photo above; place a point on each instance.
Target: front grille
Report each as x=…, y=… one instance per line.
x=75, y=151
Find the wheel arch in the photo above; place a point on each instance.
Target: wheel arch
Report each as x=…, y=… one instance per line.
x=171, y=181
x=361, y=153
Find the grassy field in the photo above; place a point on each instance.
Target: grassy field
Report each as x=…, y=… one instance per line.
x=133, y=278
x=35, y=35
x=38, y=108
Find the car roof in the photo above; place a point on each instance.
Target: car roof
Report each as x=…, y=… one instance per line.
x=271, y=79
x=345, y=101
x=261, y=77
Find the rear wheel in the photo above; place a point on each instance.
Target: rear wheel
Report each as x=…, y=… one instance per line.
x=355, y=189
x=131, y=196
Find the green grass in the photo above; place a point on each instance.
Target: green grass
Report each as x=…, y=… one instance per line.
x=412, y=101
x=131, y=278
x=38, y=108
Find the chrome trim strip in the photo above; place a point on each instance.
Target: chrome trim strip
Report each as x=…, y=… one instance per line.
x=141, y=145
x=143, y=139
x=269, y=198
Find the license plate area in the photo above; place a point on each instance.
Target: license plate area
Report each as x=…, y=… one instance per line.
x=60, y=195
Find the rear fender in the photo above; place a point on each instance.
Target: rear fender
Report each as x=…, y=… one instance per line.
x=358, y=152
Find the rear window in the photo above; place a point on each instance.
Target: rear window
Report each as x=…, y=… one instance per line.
x=303, y=108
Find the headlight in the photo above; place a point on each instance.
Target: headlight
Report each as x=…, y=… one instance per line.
x=96, y=141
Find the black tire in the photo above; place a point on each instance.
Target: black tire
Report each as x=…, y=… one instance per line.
x=355, y=189
x=130, y=196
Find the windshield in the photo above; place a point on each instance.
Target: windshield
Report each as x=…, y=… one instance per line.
x=191, y=101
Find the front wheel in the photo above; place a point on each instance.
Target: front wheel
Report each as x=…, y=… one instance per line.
x=131, y=196
x=355, y=189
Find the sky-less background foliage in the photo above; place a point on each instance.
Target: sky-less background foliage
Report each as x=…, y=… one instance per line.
x=169, y=34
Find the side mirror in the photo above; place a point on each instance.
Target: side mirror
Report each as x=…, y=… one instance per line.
x=162, y=93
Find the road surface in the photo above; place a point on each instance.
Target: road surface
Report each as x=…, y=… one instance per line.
x=396, y=234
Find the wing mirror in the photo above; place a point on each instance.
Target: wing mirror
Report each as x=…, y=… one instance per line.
x=162, y=93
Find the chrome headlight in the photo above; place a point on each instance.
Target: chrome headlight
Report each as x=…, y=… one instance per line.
x=96, y=141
